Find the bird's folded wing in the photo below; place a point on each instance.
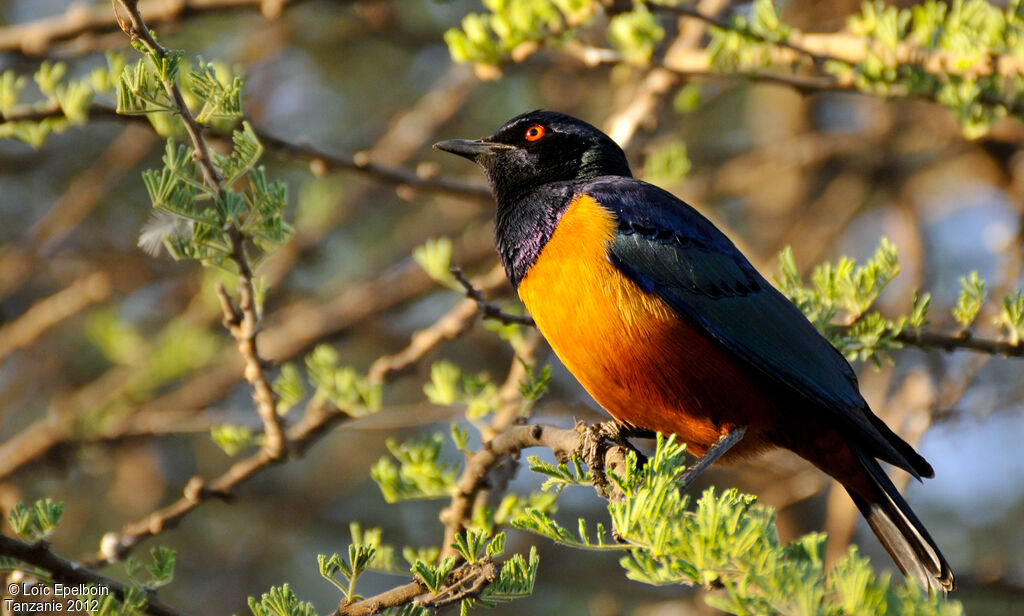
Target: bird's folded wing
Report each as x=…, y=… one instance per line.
x=667, y=248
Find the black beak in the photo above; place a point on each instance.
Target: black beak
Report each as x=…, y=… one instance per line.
x=473, y=149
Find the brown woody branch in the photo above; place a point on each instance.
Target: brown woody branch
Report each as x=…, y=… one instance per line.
x=70, y=573
x=116, y=545
x=320, y=161
x=488, y=309
x=852, y=49
x=964, y=341
x=818, y=56
x=467, y=581
x=243, y=320
x=563, y=442
x=452, y=325
x=400, y=595
x=50, y=311
x=317, y=422
x=35, y=38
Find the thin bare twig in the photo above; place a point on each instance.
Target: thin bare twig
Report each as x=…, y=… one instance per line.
x=488, y=309
x=320, y=161
x=452, y=325
x=964, y=341
x=73, y=574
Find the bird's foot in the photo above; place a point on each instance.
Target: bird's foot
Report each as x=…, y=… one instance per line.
x=597, y=439
x=591, y=451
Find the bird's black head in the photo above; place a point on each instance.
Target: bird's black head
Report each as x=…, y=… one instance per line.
x=539, y=148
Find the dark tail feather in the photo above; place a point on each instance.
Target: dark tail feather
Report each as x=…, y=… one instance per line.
x=912, y=462
x=902, y=534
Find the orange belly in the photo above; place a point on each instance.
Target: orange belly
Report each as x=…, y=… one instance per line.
x=629, y=349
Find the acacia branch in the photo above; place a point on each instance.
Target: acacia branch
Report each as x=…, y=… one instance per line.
x=400, y=595
x=563, y=442
x=467, y=581
x=316, y=423
x=683, y=10
x=115, y=545
x=452, y=325
x=320, y=161
x=243, y=320
x=67, y=572
x=488, y=309
x=35, y=38
x=852, y=49
x=965, y=341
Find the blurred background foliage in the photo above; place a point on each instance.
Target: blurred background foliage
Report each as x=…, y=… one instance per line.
x=114, y=366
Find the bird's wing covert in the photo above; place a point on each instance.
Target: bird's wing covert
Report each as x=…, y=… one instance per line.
x=667, y=248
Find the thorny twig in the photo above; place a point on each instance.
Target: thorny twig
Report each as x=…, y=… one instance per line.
x=963, y=341
x=488, y=309
x=563, y=442
x=317, y=422
x=320, y=160
x=72, y=574
x=242, y=320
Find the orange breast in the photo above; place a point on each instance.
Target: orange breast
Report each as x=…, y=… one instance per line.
x=628, y=348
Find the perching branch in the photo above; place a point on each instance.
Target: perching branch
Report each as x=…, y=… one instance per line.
x=70, y=573
x=563, y=442
x=242, y=320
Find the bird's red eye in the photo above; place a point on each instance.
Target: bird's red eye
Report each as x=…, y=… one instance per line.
x=535, y=132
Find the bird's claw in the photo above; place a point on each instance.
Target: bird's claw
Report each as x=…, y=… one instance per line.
x=592, y=449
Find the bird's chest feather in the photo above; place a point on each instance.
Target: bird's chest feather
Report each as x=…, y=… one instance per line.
x=627, y=347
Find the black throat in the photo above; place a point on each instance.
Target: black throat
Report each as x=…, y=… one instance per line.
x=524, y=224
